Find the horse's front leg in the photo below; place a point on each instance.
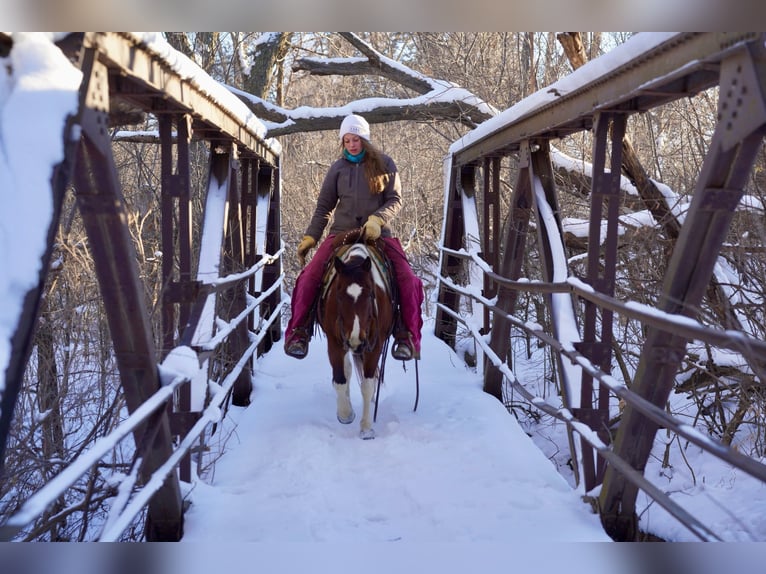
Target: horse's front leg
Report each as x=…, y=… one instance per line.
x=369, y=381
x=341, y=375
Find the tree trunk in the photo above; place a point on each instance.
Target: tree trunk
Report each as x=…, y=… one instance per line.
x=268, y=59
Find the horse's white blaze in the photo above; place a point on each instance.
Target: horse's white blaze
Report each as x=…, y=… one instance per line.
x=353, y=339
x=354, y=290
x=360, y=250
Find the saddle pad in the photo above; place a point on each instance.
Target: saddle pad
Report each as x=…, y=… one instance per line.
x=378, y=258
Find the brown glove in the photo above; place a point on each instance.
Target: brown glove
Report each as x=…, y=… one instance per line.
x=371, y=229
x=304, y=247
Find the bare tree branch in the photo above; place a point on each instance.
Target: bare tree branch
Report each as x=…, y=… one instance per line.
x=438, y=99
x=373, y=63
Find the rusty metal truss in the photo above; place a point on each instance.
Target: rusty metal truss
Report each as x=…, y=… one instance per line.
x=123, y=74
x=682, y=66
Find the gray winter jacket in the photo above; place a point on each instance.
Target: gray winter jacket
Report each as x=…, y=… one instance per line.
x=346, y=197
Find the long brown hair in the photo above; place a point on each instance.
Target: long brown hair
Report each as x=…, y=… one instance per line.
x=374, y=167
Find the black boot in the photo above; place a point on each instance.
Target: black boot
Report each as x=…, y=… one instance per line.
x=403, y=349
x=297, y=344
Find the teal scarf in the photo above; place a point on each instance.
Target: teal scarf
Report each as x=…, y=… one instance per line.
x=354, y=158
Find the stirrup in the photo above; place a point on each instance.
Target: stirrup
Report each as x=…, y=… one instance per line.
x=403, y=348
x=298, y=344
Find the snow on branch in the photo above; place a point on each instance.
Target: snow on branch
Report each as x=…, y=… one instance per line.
x=437, y=99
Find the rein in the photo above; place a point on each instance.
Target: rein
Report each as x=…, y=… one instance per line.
x=380, y=381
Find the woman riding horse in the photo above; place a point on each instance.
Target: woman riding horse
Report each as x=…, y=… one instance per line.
x=362, y=189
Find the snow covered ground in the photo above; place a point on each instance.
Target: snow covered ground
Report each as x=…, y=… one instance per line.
x=456, y=486
x=459, y=469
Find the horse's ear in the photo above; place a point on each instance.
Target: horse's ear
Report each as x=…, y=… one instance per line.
x=367, y=265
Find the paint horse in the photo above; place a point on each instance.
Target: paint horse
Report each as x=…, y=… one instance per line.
x=356, y=313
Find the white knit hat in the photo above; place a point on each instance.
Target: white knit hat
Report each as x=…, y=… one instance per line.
x=356, y=125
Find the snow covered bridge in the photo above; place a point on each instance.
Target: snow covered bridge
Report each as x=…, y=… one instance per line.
x=204, y=347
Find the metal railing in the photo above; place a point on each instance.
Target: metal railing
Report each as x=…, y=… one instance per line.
x=724, y=339
x=647, y=73
x=219, y=316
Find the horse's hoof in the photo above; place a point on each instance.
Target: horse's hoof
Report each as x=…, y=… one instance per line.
x=367, y=434
x=347, y=421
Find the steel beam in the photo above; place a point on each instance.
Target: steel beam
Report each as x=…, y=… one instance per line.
x=683, y=65
x=454, y=232
x=512, y=261
x=737, y=138
x=269, y=190
x=105, y=218
x=601, y=273
x=143, y=75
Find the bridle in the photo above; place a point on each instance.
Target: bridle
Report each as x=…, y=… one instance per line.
x=371, y=318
